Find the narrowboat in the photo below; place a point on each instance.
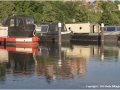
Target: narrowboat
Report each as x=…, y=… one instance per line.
x=19, y=29
x=49, y=32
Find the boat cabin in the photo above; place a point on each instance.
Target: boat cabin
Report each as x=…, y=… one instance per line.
x=49, y=32
x=49, y=29
x=20, y=26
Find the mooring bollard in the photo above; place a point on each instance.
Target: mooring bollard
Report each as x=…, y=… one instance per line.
x=102, y=42
x=59, y=42
x=59, y=33
x=102, y=31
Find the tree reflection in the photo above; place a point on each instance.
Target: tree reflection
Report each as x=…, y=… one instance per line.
x=70, y=68
x=2, y=73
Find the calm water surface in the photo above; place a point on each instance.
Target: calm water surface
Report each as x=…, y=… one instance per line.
x=69, y=66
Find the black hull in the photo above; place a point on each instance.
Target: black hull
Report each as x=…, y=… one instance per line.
x=21, y=34
x=54, y=38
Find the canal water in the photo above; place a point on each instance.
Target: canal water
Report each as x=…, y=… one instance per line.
x=69, y=66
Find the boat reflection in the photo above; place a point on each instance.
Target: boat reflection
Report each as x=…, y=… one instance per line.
x=16, y=61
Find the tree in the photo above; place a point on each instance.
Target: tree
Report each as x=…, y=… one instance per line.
x=6, y=9
x=94, y=16
x=23, y=7
x=116, y=2
x=48, y=13
x=58, y=11
x=109, y=18
x=81, y=15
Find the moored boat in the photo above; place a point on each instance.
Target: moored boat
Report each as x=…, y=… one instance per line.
x=20, y=28
x=49, y=32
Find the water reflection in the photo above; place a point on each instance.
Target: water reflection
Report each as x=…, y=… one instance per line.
x=2, y=73
x=21, y=63
x=3, y=61
x=16, y=61
x=53, y=62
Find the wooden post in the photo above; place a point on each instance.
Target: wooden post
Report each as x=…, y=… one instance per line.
x=102, y=36
x=59, y=59
x=59, y=43
x=102, y=42
x=59, y=33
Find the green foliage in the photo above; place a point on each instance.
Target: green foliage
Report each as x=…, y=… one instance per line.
x=107, y=5
x=117, y=13
x=2, y=70
x=45, y=59
x=94, y=16
x=110, y=53
x=116, y=2
x=109, y=18
x=6, y=8
x=2, y=73
x=81, y=15
x=48, y=12
x=58, y=11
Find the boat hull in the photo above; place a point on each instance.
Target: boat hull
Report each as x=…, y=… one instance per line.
x=21, y=34
x=54, y=38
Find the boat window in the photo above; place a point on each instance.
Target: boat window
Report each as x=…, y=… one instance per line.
x=53, y=28
x=4, y=20
x=44, y=51
x=80, y=28
x=44, y=28
x=11, y=22
x=118, y=28
x=65, y=28
x=18, y=22
x=29, y=21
